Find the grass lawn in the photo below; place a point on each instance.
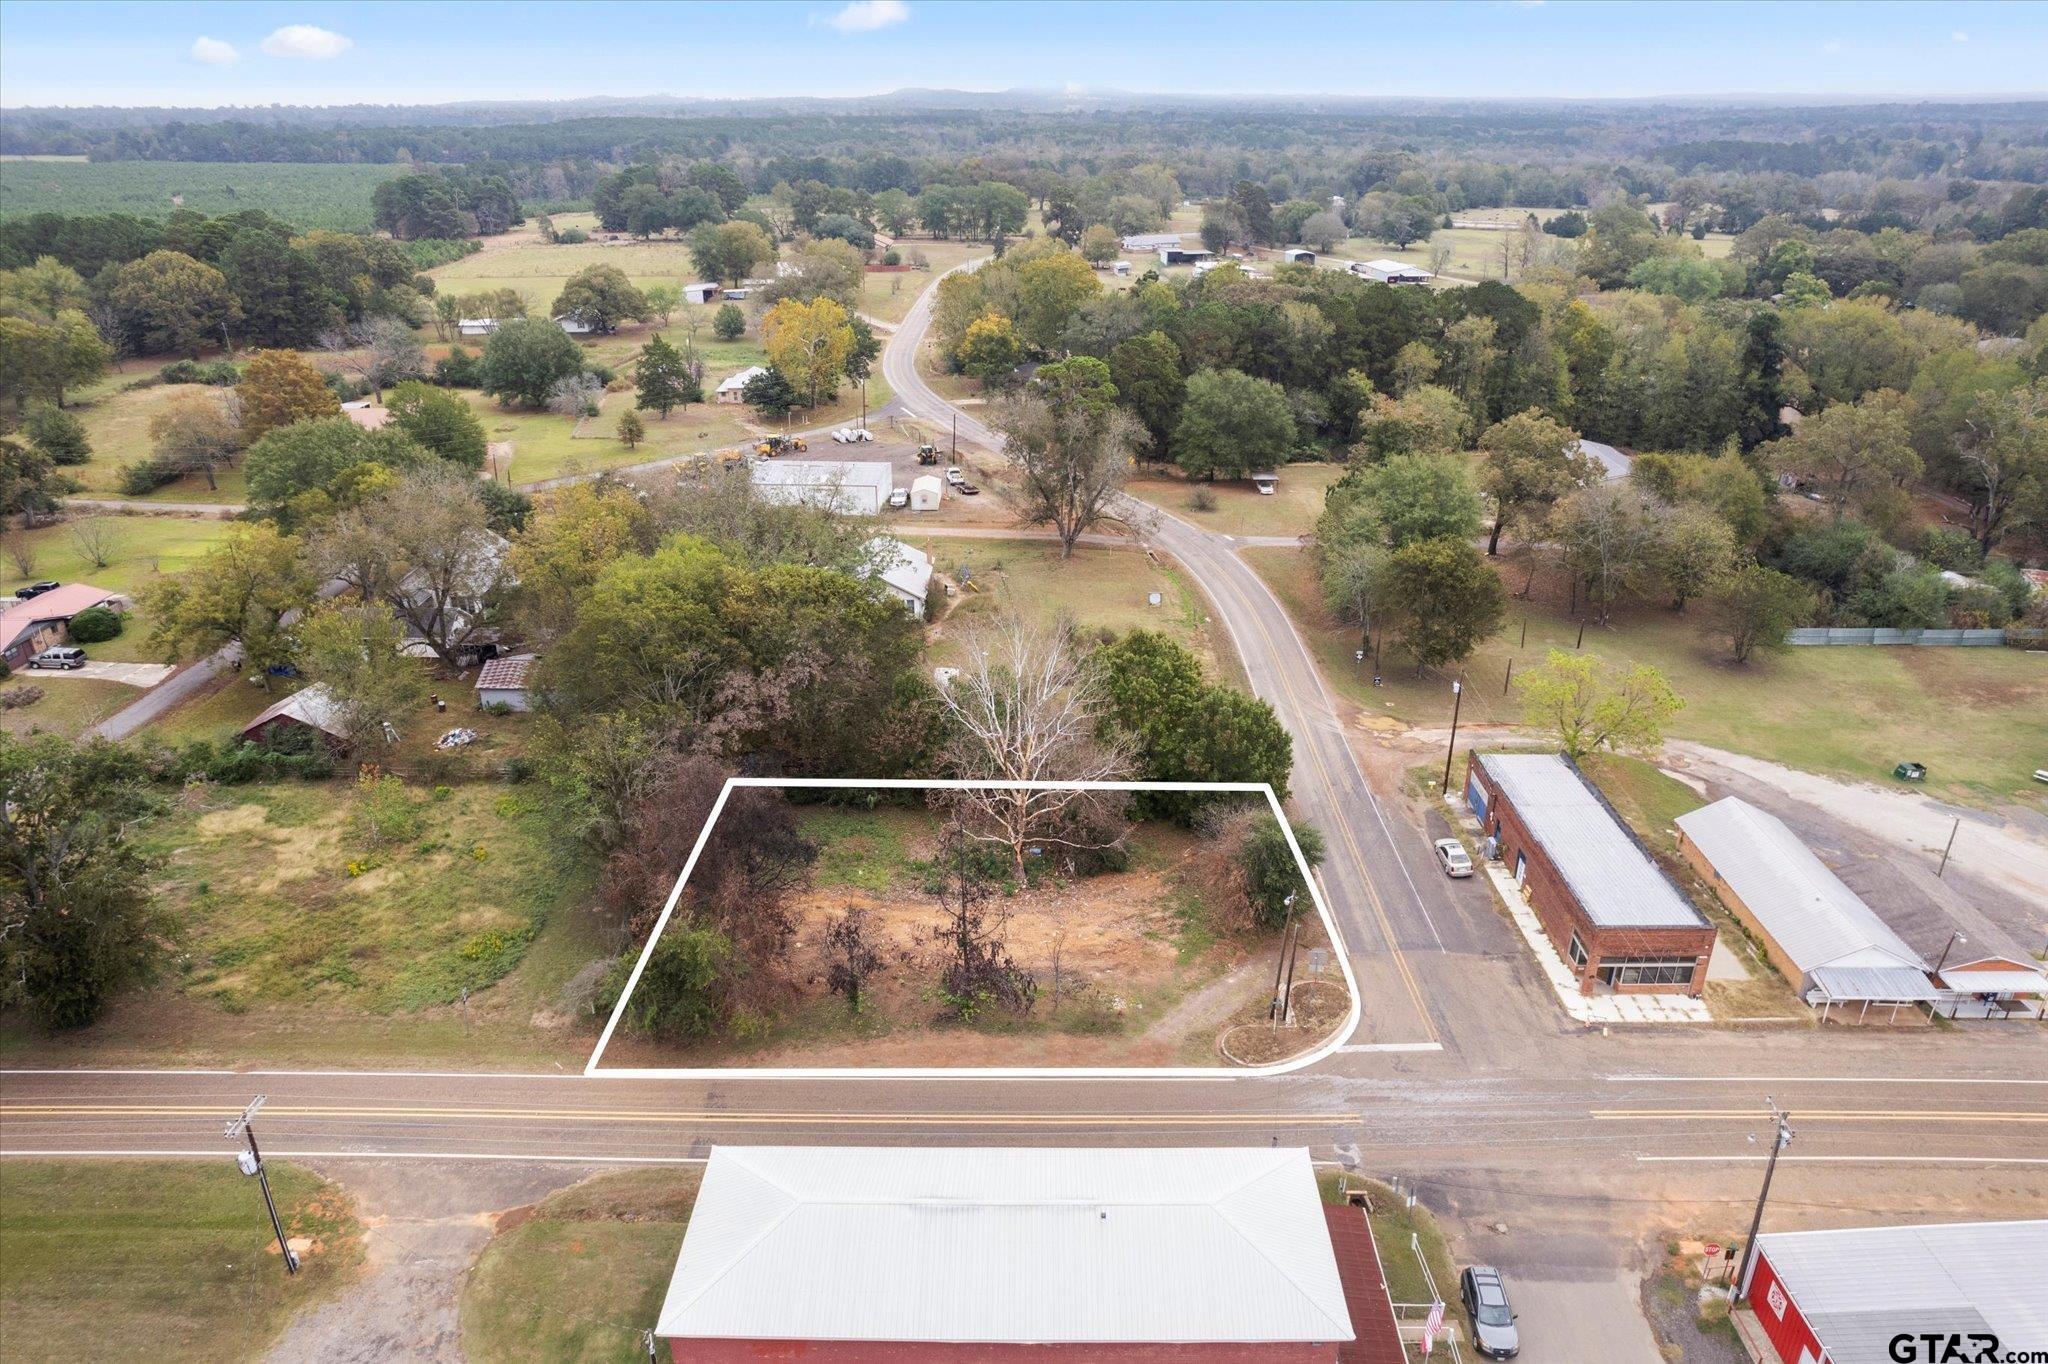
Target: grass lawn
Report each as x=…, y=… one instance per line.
x=538, y=270
x=582, y=1274
x=546, y=446
x=68, y=706
x=1241, y=509
x=216, y=713
x=1393, y=1225
x=174, y=1256
x=1098, y=589
x=117, y=425
x=141, y=551
x=1650, y=801
x=1475, y=251
x=320, y=894
x=889, y=296
x=1977, y=717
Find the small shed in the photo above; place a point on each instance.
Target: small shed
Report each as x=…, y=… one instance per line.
x=1298, y=255
x=476, y=326
x=574, y=326
x=925, y=492
x=700, y=293
x=502, y=682
x=368, y=415
x=1392, y=272
x=732, y=389
x=311, y=709
x=1267, y=482
x=1122, y=267
x=737, y=295
x=1177, y=255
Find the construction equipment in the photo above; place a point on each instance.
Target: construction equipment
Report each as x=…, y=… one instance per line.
x=780, y=445
x=927, y=453
x=731, y=458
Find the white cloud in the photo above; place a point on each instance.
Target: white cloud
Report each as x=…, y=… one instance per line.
x=865, y=16
x=1959, y=37
x=213, y=51
x=1831, y=46
x=304, y=40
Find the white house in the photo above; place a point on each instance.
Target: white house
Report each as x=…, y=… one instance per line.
x=502, y=682
x=925, y=492
x=1151, y=241
x=859, y=487
x=732, y=389
x=476, y=326
x=700, y=293
x=1392, y=272
x=904, y=570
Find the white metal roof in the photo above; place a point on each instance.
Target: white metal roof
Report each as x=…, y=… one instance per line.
x=1878, y=984
x=824, y=473
x=1613, y=877
x=313, y=705
x=993, y=1245
x=1394, y=267
x=1802, y=905
x=905, y=568
x=1610, y=459
x=733, y=383
x=1860, y=1287
x=2018, y=981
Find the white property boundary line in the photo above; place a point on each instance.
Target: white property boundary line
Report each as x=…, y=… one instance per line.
x=592, y=1069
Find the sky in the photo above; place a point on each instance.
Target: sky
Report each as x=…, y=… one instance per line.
x=81, y=53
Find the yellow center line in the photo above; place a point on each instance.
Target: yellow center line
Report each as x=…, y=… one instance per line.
x=1820, y=1115
x=276, y=1110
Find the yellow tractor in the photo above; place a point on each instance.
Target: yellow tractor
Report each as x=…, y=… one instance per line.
x=780, y=445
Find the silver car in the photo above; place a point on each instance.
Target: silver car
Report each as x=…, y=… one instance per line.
x=1493, y=1319
x=1452, y=857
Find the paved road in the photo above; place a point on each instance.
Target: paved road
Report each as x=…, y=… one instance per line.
x=1388, y=899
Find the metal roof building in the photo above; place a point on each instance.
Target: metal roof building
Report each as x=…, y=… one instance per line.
x=1613, y=877
x=1841, y=1296
x=858, y=486
x=1830, y=944
x=895, y=1253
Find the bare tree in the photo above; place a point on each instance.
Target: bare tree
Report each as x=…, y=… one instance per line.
x=22, y=551
x=1073, y=453
x=1026, y=707
x=94, y=538
x=427, y=549
x=381, y=352
x=854, y=958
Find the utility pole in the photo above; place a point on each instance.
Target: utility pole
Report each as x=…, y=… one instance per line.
x=956, y=438
x=1505, y=681
x=1947, y=947
x=250, y=1162
x=1781, y=1138
x=1280, y=964
x=1948, y=847
x=1457, y=704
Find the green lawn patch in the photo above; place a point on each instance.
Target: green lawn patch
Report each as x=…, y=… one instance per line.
x=1241, y=509
x=386, y=902
x=175, y=1257
x=580, y=1275
x=1977, y=717
x=1399, y=1231
x=1648, y=800
x=141, y=551
x=325, y=195
x=117, y=425
x=865, y=849
x=68, y=706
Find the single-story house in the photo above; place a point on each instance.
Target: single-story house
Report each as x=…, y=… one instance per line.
x=29, y=627
x=905, y=570
x=502, y=682
x=699, y=293
x=369, y=415
x=1177, y=255
x=1848, y=1296
x=1297, y=255
x=861, y=487
x=1983, y=971
x=1150, y=241
x=926, y=491
x=574, y=325
x=476, y=326
x=1613, y=915
x=1391, y=272
x=310, y=708
x=732, y=388
x=986, y=1253
x=1820, y=934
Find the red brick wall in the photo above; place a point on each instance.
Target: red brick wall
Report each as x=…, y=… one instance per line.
x=923, y=1352
x=1560, y=913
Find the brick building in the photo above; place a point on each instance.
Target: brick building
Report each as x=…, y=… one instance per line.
x=1002, y=1254
x=1613, y=915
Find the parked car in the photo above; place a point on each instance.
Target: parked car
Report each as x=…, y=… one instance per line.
x=1452, y=857
x=35, y=590
x=1493, y=1318
x=969, y=490
x=955, y=477
x=899, y=498
x=63, y=656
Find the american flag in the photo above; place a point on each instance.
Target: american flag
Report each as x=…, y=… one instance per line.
x=1432, y=1326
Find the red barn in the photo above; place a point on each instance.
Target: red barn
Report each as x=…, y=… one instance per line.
x=1003, y=1254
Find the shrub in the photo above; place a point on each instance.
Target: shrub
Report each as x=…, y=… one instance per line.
x=682, y=992
x=1203, y=499
x=95, y=625
x=219, y=373
x=1947, y=547
x=572, y=236
x=14, y=698
x=146, y=476
x=459, y=369
x=892, y=257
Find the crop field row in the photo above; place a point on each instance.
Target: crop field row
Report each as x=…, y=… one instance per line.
x=335, y=197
